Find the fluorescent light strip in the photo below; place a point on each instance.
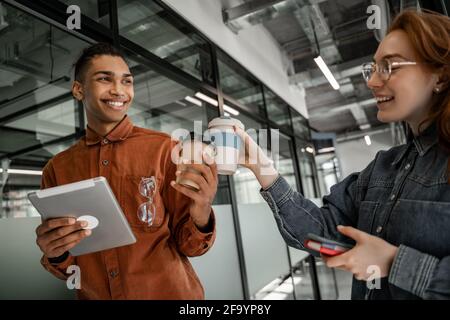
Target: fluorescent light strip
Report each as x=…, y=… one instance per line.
x=327, y=73
x=309, y=149
x=193, y=100
x=368, y=141
x=234, y=112
x=27, y=172
x=205, y=98
x=323, y=150
x=213, y=102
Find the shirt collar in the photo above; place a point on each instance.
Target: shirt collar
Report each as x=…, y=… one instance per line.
x=423, y=142
x=120, y=132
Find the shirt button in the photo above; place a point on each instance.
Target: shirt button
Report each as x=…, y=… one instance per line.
x=105, y=162
x=113, y=273
x=379, y=229
x=393, y=197
x=105, y=141
x=407, y=166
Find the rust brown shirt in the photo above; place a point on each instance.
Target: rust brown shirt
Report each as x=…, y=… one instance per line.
x=156, y=266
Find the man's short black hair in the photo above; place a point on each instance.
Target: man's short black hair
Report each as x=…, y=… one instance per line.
x=90, y=52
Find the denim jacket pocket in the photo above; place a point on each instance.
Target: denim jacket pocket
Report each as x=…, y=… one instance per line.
x=422, y=225
x=366, y=215
x=131, y=199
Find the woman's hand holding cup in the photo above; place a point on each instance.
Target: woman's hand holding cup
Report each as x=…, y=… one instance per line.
x=255, y=159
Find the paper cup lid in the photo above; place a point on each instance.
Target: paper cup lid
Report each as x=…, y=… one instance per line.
x=225, y=121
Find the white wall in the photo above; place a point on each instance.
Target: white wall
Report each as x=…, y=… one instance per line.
x=355, y=155
x=253, y=47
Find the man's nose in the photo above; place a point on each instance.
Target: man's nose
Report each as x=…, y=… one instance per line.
x=117, y=89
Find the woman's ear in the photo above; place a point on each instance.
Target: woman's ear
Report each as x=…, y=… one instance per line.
x=444, y=79
x=77, y=90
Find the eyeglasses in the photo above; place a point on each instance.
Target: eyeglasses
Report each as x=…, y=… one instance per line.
x=383, y=68
x=147, y=211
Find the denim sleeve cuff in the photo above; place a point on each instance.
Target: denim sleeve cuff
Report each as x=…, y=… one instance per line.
x=277, y=193
x=412, y=270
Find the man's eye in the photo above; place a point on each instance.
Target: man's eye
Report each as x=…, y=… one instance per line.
x=128, y=81
x=103, y=79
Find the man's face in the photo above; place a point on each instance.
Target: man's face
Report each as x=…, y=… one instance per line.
x=106, y=89
x=410, y=88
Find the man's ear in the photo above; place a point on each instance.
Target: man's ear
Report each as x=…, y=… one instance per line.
x=77, y=90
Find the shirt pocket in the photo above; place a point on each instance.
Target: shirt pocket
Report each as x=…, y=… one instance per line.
x=131, y=199
x=366, y=215
x=422, y=225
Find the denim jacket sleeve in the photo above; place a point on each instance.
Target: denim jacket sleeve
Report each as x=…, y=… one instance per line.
x=297, y=216
x=421, y=274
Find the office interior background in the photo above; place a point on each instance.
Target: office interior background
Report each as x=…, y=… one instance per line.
x=254, y=59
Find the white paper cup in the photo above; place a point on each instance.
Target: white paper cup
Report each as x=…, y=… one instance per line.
x=227, y=143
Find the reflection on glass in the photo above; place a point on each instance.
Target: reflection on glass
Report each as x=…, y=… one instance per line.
x=277, y=109
x=246, y=185
x=157, y=30
x=237, y=83
x=306, y=162
x=285, y=165
x=35, y=61
x=300, y=125
x=97, y=10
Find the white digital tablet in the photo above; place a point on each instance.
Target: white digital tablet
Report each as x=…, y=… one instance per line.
x=90, y=200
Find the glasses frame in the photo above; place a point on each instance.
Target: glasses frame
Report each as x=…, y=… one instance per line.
x=391, y=65
x=150, y=217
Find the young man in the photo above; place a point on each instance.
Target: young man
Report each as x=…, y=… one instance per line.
x=156, y=266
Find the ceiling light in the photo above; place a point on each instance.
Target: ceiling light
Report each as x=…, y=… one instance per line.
x=324, y=150
x=368, y=141
x=193, y=101
x=327, y=73
x=309, y=149
x=26, y=172
x=206, y=98
x=364, y=126
x=234, y=112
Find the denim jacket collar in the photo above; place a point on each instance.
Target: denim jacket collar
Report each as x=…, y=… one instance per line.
x=423, y=143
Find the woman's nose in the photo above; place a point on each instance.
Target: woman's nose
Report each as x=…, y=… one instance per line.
x=375, y=81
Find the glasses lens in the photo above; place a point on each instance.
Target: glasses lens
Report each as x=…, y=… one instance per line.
x=367, y=71
x=147, y=187
x=147, y=212
x=384, y=69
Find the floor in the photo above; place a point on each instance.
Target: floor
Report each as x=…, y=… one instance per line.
x=334, y=285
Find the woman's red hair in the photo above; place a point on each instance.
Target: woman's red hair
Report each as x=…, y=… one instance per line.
x=429, y=33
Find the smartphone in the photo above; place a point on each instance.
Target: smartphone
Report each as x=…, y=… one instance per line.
x=326, y=246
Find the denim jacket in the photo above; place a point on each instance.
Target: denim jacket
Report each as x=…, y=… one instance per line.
x=403, y=197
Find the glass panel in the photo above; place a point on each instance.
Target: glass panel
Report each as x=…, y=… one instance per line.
x=300, y=125
x=37, y=68
x=306, y=162
x=157, y=30
x=285, y=165
x=246, y=185
x=268, y=270
x=277, y=109
x=222, y=256
x=97, y=10
x=237, y=83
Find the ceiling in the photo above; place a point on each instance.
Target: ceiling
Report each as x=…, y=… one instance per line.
x=338, y=29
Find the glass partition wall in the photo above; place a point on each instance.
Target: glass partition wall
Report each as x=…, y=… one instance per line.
x=181, y=79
